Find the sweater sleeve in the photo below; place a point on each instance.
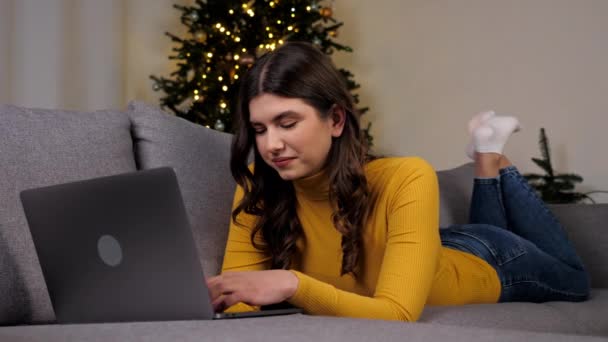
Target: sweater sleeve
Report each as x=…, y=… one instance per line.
x=410, y=258
x=240, y=254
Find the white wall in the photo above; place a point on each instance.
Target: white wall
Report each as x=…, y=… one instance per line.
x=426, y=66
x=84, y=54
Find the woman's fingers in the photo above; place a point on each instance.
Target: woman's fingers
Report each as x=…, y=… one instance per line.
x=232, y=299
x=224, y=291
x=218, y=304
x=225, y=301
x=253, y=288
x=218, y=285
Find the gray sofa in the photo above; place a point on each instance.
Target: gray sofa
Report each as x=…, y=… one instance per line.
x=44, y=147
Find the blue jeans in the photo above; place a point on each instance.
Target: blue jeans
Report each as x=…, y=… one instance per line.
x=512, y=229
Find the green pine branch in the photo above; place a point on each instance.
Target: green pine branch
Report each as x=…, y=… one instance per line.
x=552, y=187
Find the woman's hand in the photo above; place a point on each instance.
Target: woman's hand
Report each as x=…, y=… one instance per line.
x=251, y=287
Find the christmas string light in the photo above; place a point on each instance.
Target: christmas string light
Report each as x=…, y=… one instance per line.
x=215, y=36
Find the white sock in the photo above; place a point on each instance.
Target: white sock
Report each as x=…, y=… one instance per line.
x=493, y=135
x=478, y=120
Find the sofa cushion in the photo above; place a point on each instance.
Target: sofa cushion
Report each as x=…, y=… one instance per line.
x=590, y=317
x=586, y=318
x=293, y=328
x=38, y=148
x=200, y=157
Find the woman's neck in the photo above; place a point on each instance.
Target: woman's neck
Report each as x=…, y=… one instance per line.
x=315, y=187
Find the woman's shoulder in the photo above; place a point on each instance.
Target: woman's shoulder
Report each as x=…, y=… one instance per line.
x=393, y=175
x=393, y=166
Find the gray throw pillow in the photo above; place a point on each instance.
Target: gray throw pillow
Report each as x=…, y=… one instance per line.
x=455, y=190
x=201, y=159
x=40, y=147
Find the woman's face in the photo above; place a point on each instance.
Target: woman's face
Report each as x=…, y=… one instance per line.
x=290, y=135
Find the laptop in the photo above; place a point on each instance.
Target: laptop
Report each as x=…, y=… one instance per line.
x=120, y=249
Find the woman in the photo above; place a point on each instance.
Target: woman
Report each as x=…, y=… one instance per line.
x=319, y=223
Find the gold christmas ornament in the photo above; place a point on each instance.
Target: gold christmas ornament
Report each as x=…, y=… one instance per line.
x=326, y=12
x=333, y=33
x=246, y=59
x=201, y=36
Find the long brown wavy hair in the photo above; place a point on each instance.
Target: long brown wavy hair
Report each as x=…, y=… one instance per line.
x=299, y=70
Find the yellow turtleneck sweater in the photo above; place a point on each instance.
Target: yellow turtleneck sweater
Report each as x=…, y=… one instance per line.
x=403, y=265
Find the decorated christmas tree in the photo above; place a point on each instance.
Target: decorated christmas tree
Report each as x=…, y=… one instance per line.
x=224, y=39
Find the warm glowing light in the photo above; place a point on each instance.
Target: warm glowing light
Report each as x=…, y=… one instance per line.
x=196, y=97
x=279, y=22
x=270, y=35
x=308, y=8
x=225, y=88
x=289, y=28
x=271, y=4
x=220, y=78
x=293, y=15
x=195, y=91
x=250, y=12
x=244, y=50
x=204, y=76
x=231, y=12
x=227, y=33
x=236, y=57
x=223, y=105
x=293, y=9
x=222, y=29
x=218, y=25
x=244, y=5
x=236, y=77
x=209, y=54
x=237, y=39
x=281, y=41
x=236, y=67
